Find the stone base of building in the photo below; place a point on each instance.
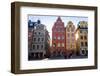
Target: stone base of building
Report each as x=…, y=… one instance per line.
x=35, y=56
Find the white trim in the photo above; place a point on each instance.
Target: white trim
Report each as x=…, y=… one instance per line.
x=25, y=64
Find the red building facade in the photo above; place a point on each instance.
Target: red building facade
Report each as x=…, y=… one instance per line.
x=58, y=37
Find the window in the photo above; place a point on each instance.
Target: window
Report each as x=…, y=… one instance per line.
x=70, y=26
x=71, y=46
x=29, y=35
x=58, y=44
x=42, y=33
x=80, y=31
x=72, y=29
x=34, y=39
x=33, y=46
x=85, y=32
x=55, y=30
x=58, y=30
x=42, y=39
x=39, y=33
x=54, y=45
x=54, y=37
x=82, y=44
x=31, y=24
x=62, y=44
x=35, y=33
x=56, y=26
x=62, y=30
x=81, y=37
x=68, y=35
x=72, y=34
x=39, y=27
x=68, y=41
x=58, y=38
x=62, y=37
x=73, y=40
x=38, y=39
x=86, y=44
x=41, y=46
x=85, y=37
x=34, y=27
x=68, y=30
x=37, y=46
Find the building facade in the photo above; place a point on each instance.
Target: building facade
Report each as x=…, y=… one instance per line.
x=70, y=38
x=39, y=42
x=82, y=38
x=58, y=37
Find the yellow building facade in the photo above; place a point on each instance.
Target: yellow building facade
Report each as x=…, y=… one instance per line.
x=70, y=37
x=82, y=38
